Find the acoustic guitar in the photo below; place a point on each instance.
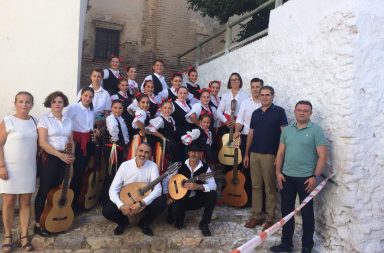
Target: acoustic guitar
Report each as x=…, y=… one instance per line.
x=176, y=184
x=227, y=152
x=92, y=180
x=58, y=214
x=135, y=192
x=234, y=193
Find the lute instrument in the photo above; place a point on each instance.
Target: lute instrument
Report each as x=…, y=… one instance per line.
x=176, y=183
x=133, y=193
x=234, y=193
x=58, y=215
x=227, y=152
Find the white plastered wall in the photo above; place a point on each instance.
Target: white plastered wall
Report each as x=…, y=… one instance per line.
x=329, y=52
x=40, y=49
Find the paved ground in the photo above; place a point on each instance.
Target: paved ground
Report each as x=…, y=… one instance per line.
x=92, y=233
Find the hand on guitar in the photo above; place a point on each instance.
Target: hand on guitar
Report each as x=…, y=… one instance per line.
x=230, y=123
x=193, y=186
x=246, y=161
x=236, y=135
x=126, y=210
x=137, y=207
x=169, y=200
x=280, y=179
x=68, y=159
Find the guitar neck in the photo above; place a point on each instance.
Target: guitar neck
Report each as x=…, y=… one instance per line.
x=235, y=162
x=68, y=151
x=153, y=183
x=169, y=171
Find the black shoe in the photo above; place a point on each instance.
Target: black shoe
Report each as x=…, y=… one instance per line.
x=146, y=229
x=281, y=248
x=41, y=231
x=179, y=224
x=170, y=220
x=205, y=229
x=119, y=230
x=306, y=250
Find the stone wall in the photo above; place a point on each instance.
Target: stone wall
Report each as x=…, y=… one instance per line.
x=150, y=29
x=329, y=52
x=40, y=48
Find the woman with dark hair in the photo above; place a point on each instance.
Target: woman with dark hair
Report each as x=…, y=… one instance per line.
x=171, y=93
x=18, y=148
x=133, y=87
x=234, y=93
x=148, y=88
x=83, y=120
x=191, y=84
x=55, y=131
x=112, y=75
x=179, y=112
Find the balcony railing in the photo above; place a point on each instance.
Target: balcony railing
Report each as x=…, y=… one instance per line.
x=228, y=45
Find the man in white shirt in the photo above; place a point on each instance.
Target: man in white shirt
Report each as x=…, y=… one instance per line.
x=138, y=169
x=243, y=121
x=102, y=99
x=201, y=194
x=157, y=77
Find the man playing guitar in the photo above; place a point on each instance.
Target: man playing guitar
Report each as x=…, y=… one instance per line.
x=138, y=169
x=201, y=194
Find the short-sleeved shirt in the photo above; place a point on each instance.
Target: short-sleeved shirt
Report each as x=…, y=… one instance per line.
x=300, y=149
x=267, y=129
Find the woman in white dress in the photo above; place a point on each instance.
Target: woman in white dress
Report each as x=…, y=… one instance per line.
x=18, y=145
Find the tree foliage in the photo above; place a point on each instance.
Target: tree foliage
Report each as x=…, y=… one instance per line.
x=224, y=9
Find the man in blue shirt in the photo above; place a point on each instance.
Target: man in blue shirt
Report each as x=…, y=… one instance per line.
x=261, y=148
x=300, y=160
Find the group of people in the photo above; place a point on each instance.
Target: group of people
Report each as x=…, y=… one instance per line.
x=183, y=122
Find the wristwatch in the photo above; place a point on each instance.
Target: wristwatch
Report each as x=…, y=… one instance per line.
x=316, y=177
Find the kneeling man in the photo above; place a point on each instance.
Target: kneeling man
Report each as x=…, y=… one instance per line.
x=200, y=194
x=138, y=169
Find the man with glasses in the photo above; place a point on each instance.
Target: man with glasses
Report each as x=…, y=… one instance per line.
x=300, y=160
x=266, y=125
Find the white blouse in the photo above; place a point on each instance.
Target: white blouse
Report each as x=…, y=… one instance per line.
x=141, y=116
x=164, y=94
x=113, y=128
x=198, y=107
x=58, y=130
x=101, y=101
x=83, y=119
x=225, y=104
x=158, y=122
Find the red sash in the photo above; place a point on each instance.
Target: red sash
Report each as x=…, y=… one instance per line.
x=83, y=139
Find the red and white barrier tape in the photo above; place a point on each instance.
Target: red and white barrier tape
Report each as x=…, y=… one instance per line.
x=262, y=236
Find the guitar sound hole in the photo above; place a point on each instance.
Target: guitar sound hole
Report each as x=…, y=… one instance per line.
x=141, y=191
x=235, y=181
x=175, y=184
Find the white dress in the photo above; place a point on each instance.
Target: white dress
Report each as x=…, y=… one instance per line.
x=20, y=156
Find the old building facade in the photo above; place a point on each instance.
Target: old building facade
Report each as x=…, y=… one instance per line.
x=140, y=31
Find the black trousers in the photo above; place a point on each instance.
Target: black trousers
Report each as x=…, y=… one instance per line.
x=79, y=168
x=201, y=199
x=291, y=187
x=104, y=195
x=50, y=177
x=151, y=212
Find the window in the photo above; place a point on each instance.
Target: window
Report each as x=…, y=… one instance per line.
x=107, y=43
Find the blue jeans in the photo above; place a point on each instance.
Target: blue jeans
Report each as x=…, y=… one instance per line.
x=291, y=187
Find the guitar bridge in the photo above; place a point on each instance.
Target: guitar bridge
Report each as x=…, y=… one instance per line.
x=59, y=218
x=132, y=199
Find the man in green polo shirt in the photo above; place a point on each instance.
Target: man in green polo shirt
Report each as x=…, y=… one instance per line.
x=300, y=160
